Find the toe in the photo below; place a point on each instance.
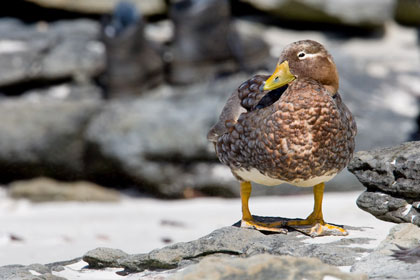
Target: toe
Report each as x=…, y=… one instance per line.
x=321, y=230
x=274, y=227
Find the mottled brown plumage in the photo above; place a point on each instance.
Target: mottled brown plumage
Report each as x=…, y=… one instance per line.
x=307, y=133
x=305, y=137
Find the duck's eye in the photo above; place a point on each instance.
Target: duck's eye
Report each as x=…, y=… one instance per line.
x=301, y=55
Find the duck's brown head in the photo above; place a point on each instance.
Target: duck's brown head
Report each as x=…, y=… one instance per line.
x=304, y=59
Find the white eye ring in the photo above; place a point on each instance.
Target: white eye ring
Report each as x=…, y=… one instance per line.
x=301, y=55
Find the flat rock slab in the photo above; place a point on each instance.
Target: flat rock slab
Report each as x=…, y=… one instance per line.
x=233, y=241
x=381, y=264
x=262, y=267
x=60, y=50
x=43, y=136
x=235, y=253
x=46, y=189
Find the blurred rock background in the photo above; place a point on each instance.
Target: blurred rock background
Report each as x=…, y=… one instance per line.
x=123, y=94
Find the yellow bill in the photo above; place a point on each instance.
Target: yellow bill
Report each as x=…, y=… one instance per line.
x=280, y=77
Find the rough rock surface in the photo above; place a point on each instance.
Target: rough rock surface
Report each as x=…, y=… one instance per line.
x=392, y=178
x=42, y=136
x=234, y=253
x=34, y=271
x=381, y=265
x=65, y=49
x=233, y=241
x=45, y=189
x=261, y=267
x=370, y=13
x=207, y=43
x=30, y=272
x=104, y=257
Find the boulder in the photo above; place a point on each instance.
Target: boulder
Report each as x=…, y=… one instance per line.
x=146, y=7
x=372, y=13
x=380, y=264
x=261, y=267
x=62, y=50
x=104, y=257
x=45, y=189
x=42, y=135
x=134, y=64
x=207, y=43
x=392, y=178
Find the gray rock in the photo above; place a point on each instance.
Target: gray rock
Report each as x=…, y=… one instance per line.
x=15, y=272
x=262, y=266
x=389, y=208
x=104, y=257
x=392, y=178
x=233, y=241
x=207, y=43
x=134, y=64
x=30, y=272
x=370, y=13
x=65, y=49
x=43, y=136
x=381, y=265
x=45, y=189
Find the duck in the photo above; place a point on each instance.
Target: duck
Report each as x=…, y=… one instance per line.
x=289, y=127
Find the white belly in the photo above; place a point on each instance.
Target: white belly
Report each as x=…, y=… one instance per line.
x=256, y=176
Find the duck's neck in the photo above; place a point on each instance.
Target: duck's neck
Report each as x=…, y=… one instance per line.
x=332, y=89
x=331, y=81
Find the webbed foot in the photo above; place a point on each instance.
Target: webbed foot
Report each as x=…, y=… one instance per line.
x=271, y=227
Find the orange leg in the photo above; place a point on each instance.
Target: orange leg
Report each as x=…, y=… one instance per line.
x=314, y=224
x=247, y=219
